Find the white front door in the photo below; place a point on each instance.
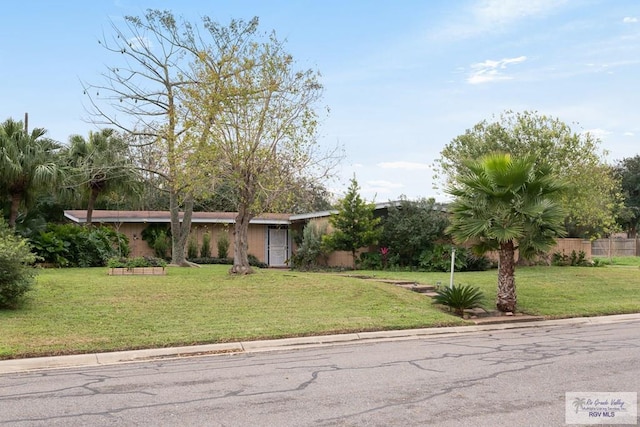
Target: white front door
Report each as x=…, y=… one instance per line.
x=278, y=247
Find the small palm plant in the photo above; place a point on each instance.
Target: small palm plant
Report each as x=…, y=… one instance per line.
x=459, y=298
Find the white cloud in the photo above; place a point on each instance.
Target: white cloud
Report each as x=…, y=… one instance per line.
x=629, y=134
x=490, y=16
x=507, y=11
x=630, y=20
x=380, y=186
x=489, y=70
x=409, y=166
x=598, y=133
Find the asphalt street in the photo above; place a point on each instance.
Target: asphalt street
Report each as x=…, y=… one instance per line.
x=496, y=377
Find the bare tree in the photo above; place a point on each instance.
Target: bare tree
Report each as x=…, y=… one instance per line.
x=141, y=96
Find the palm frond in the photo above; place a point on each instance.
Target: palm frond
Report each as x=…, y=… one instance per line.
x=500, y=199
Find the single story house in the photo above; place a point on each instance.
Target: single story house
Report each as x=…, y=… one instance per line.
x=270, y=235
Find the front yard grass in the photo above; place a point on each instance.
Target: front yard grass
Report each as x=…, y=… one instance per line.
x=626, y=261
x=84, y=310
x=553, y=292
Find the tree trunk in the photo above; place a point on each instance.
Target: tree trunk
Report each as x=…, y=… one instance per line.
x=180, y=229
x=241, y=242
x=92, y=202
x=353, y=257
x=506, y=300
x=15, y=206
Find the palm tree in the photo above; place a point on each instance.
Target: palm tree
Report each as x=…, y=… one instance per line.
x=27, y=164
x=506, y=204
x=99, y=164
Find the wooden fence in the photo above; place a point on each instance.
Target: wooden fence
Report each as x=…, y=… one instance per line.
x=615, y=247
x=595, y=248
x=599, y=248
x=566, y=246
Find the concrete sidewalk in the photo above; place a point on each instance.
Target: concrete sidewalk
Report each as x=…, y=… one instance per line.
x=101, y=359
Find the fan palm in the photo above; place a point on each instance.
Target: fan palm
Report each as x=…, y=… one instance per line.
x=506, y=204
x=99, y=164
x=27, y=164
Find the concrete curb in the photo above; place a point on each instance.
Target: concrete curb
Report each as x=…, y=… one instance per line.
x=111, y=358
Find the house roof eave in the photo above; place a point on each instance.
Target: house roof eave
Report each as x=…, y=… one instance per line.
x=137, y=217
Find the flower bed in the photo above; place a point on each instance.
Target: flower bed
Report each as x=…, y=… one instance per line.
x=128, y=271
x=136, y=266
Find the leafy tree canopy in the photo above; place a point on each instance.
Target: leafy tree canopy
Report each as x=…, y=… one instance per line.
x=28, y=165
x=574, y=157
x=628, y=171
x=256, y=129
x=98, y=165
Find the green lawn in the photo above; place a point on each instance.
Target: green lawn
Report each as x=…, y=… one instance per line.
x=553, y=292
x=84, y=310
x=622, y=261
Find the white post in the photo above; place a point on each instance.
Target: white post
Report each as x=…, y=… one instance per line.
x=453, y=264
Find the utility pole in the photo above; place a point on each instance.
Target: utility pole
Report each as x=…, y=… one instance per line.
x=26, y=123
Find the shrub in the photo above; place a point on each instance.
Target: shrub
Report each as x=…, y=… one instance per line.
x=101, y=244
x=118, y=242
x=370, y=261
x=255, y=262
x=16, y=273
x=192, y=249
x=476, y=262
x=311, y=249
x=223, y=244
x=576, y=259
x=51, y=248
x=205, y=250
x=559, y=259
x=411, y=227
x=211, y=260
x=439, y=259
x=68, y=245
x=158, y=237
x=145, y=261
x=161, y=245
x=459, y=298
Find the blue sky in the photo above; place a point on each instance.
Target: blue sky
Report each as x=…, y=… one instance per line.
x=402, y=78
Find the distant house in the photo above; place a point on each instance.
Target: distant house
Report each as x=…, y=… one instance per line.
x=270, y=235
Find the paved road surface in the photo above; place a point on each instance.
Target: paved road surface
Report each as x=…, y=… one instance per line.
x=500, y=378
